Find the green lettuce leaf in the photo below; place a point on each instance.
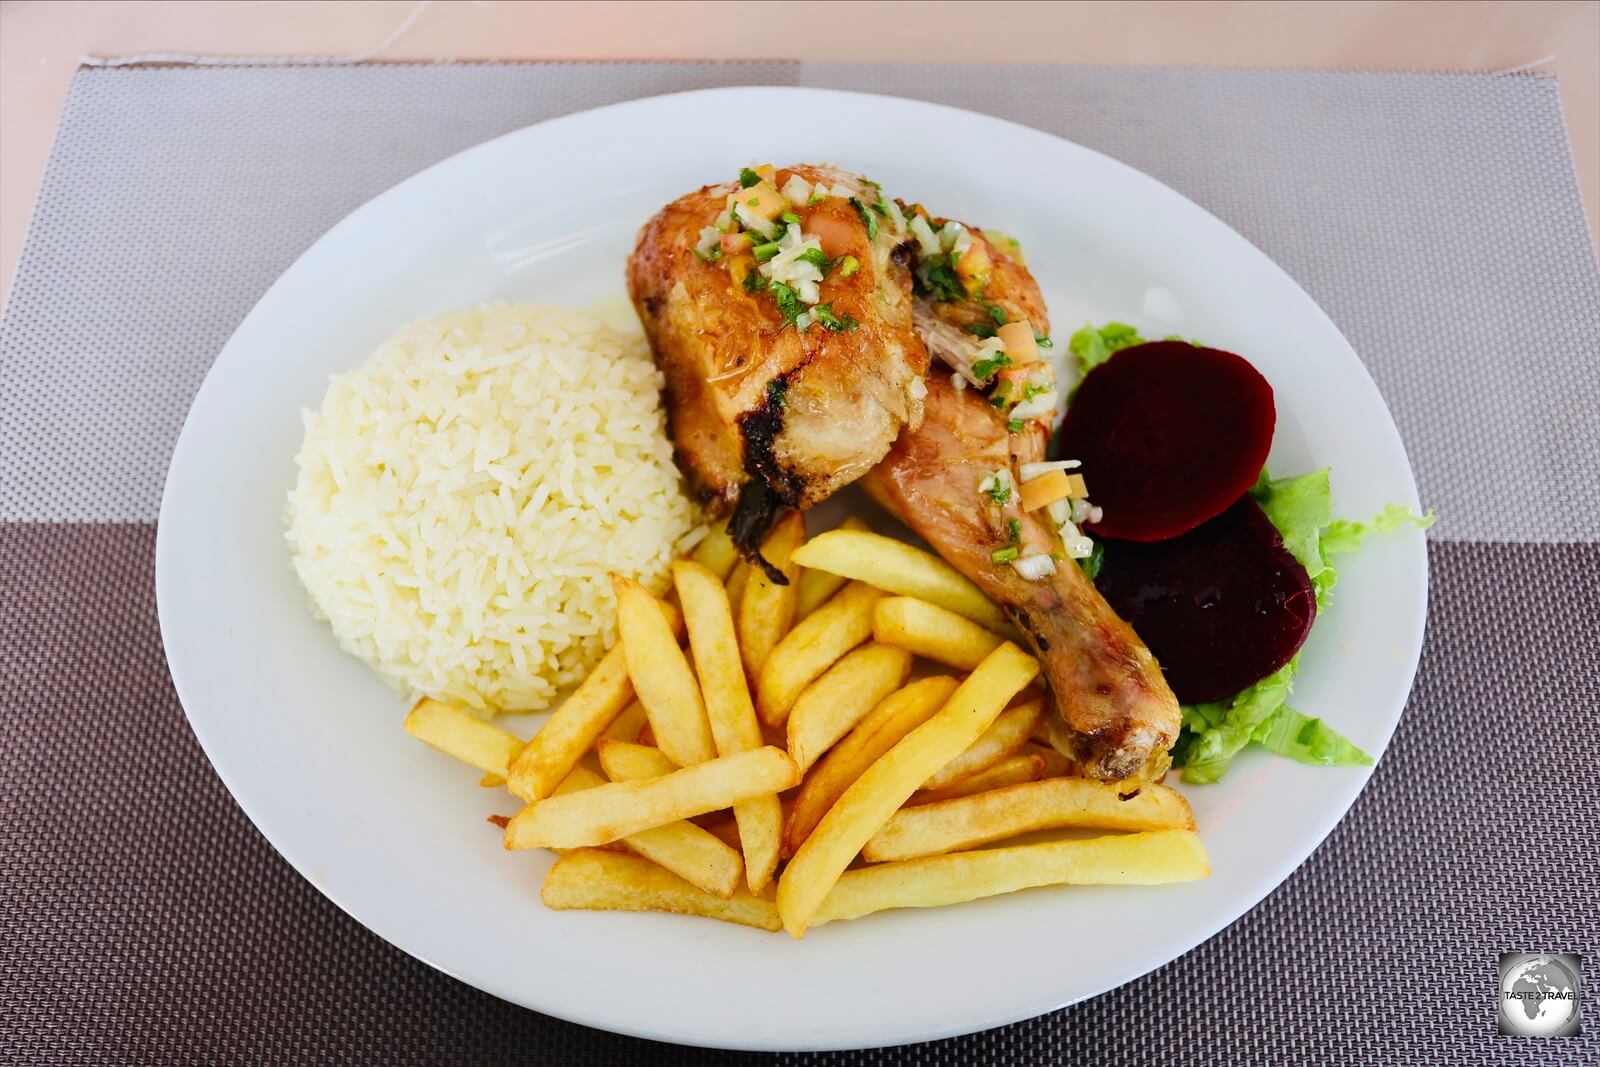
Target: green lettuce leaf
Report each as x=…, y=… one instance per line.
x=1346, y=536
x=1300, y=507
x=1219, y=731
x=1308, y=740
x=1093, y=347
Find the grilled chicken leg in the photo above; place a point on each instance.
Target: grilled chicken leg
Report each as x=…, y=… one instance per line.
x=1105, y=683
x=775, y=400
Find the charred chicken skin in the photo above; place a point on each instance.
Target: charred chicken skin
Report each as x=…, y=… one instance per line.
x=783, y=326
x=954, y=479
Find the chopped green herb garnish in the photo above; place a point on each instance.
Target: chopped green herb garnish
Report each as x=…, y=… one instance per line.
x=817, y=258
x=764, y=252
x=997, y=401
x=936, y=278
x=823, y=313
x=998, y=491
x=846, y=265
x=1015, y=529
x=748, y=177
x=789, y=302
x=997, y=313
x=816, y=198
x=1030, y=391
x=1015, y=425
x=711, y=256
x=978, y=329
x=790, y=217
x=881, y=206
x=755, y=282
x=1042, y=341
x=1004, y=555
x=776, y=388
x=1092, y=562
x=984, y=369
x=867, y=217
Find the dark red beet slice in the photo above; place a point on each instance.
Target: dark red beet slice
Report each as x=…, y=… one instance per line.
x=1169, y=435
x=1221, y=607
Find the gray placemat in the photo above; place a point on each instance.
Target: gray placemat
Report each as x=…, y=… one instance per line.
x=1435, y=217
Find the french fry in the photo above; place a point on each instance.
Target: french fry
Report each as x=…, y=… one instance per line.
x=1050, y=804
x=870, y=801
x=690, y=852
x=1008, y=734
x=613, y=811
x=661, y=676
x=463, y=735
x=1055, y=764
x=717, y=552
x=573, y=728
x=932, y=632
x=626, y=761
x=813, y=646
x=491, y=781
x=626, y=727
x=1013, y=770
x=897, y=567
x=766, y=611
x=895, y=716
x=847, y=691
x=597, y=880
x=1152, y=858
x=734, y=727
x=818, y=586
x=738, y=581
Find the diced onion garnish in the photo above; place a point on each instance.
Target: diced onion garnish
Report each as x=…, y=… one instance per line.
x=925, y=236
x=1079, y=510
x=997, y=486
x=1060, y=511
x=710, y=242
x=918, y=389
x=793, y=266
x=954, y=238
x=1035, y=567
x=958, y=380
x=1040, y=406
x=1074, y=543
x=725, y=221
x=753, y=221
x=797, y=190
x=1029, y=471
x=896, y=217
x=802, y=321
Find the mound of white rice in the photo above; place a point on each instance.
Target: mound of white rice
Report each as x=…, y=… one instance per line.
x=463, y=495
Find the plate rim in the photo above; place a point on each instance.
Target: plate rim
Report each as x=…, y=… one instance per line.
x=1273, y=878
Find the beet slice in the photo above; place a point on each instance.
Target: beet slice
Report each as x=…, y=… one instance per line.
x=1169, y=435
x=1221, y=607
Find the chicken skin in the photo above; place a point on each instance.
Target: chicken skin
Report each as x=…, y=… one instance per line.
x=781, y=387
x=1104, y=682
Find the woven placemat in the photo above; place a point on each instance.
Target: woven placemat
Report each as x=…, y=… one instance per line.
x=1436, y=218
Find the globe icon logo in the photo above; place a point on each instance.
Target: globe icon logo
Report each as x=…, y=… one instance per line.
x=1538, y=995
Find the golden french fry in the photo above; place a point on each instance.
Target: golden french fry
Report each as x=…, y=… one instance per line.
x=932, y=632
x=628, y=761
x=491, y=781
x=897, y=567
x=463, y=735
x=895, y=716
x=716, y=553
x=1055, y=764
x=818, y=586
x=813, y=646
x=1151, y=858
x=681, y=847
x=732, y=715
x=1008, y=734
x=1013, y=770
x=766, y=611
x=738, y=582
x=1050, y=804
x=615, y=881
x=619, y=809
x=626, y=727
x=661, y=676
x=573, y=728
x=846, y=692
x=870, y=801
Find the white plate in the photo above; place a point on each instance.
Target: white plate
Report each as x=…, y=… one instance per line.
x=310, y=744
